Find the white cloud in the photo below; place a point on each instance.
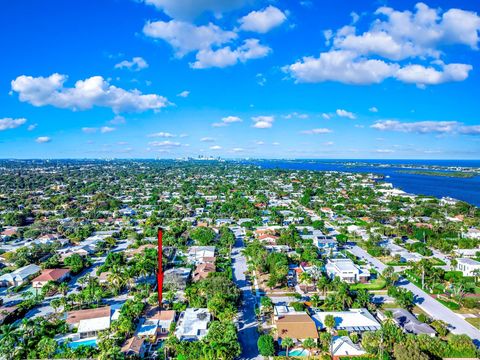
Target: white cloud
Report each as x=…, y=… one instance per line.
x=345, y=113
x=342, y=66
x=260, y=142
x=224, y=57
x=106, y=129
x=43, y=139
x=421, y=75
x=470, y=130
x=263, y=122
x=317, y=131
x=366, y=58
x=328, y=143
x=207, y=139
x=89, y=130
x=384, y=151
x=166, y=143
x=32, y=127
x=185, y=37
x=237, y=150
x=373, y=109
x=296, y=115
x=421, y=127
x=184, y=94
x=188, y=9
x=397, y=35
x=262, y=21
x=215, y=147
x=93, y=91
x=136, y=64
x=326, y=116
x=226, y=121
x=162, y=134
x=9, y=123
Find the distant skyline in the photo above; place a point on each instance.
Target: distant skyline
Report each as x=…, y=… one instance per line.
x=240, y=78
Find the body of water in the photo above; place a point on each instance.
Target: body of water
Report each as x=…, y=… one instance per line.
x=466, y=189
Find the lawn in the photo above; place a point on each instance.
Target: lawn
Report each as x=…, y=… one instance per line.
x=378, y=284
x=474, y=321
x=449, y=304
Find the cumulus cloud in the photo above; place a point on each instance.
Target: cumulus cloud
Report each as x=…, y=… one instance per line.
x=226, y=56
x=185, y=37
x=225, y=121
x=263, y=122
x=43, y=139
x=342, y=66
x=9, y=123
x=184, y=94
x=188, y=9
x=470, y=130
x=89, y=130
x=136, y=64
x=215, y=147
x=32, y=127
x=372, y=56
x=93, y=91
x=345, y=113
x=397, y=35
x=421, y=127
x=162, y=134
x=262, y=21
x=118, y=120
x=318, y=131
x=373, y=109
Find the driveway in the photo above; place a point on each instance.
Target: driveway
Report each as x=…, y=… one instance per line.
x=247, y=321
x=424, y=301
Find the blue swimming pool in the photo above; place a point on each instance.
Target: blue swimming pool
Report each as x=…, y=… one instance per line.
x=85, y=342
x=295, y=352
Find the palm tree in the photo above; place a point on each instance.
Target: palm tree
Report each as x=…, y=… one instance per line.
x=309, y=344
x=63, y=288
x=315, y=300
x=287, y=343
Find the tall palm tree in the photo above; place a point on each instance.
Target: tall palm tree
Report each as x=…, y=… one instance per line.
x=287, y=343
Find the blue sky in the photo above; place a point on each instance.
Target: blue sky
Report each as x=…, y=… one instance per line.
x=239, y=78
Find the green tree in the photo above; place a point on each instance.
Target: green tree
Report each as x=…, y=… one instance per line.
x=287, y=343
x=266, y=346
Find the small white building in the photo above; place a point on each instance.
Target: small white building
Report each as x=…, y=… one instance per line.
x=353, y=320
x=193, y=324
x=468, y=266
x=197, y=254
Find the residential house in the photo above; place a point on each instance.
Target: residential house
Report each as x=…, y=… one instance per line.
x=89, y=322
x=134, y=347
x=155, y=325
x=296, y=325
x=346, y=270
x=177, y=278
x=56, y=275
x=199, y=254
x=408, y=322
x=353, y=320
x=343, y=346
x=202, y=271
x=193, y=324
x=19, y=276
x=468, y=267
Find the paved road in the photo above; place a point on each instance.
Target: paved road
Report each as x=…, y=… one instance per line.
x=424, y=301
x=247, y=332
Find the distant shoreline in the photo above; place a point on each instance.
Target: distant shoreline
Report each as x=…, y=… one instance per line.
x=453, y=174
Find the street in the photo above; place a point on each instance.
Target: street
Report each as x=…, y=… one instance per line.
x=247, y=329
x=424, y=301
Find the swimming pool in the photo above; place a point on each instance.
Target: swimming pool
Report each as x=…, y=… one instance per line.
x=295, y=352
x=85, y=342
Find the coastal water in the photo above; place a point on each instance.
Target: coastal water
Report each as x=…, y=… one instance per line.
x=466, y=189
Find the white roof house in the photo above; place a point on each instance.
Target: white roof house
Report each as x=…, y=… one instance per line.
x=353, y=320
x=193, y=324
x=19, y=276
x=468, y=267
x=343, y=346
x=346, y=270
x=197, y=253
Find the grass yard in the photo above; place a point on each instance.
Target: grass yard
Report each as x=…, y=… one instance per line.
x=474, y=321
x=378, y=284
